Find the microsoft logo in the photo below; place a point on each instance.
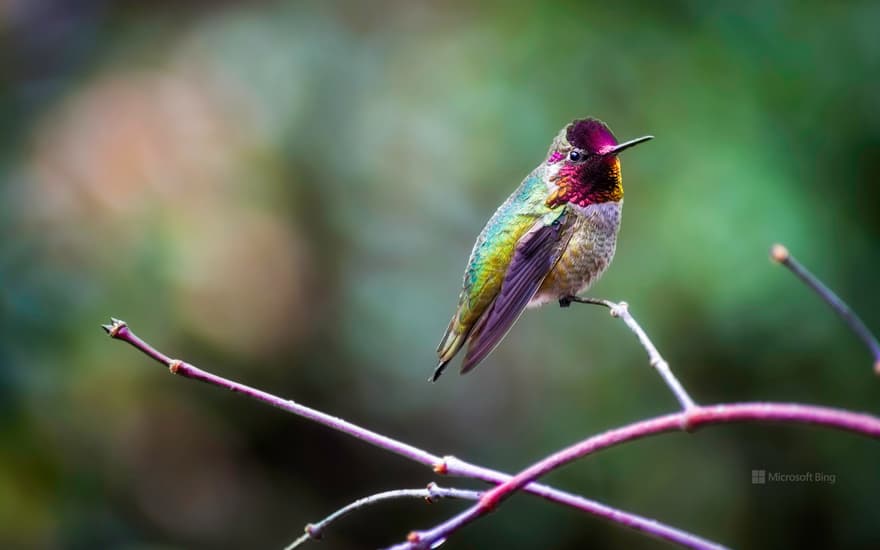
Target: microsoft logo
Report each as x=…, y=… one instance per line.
x=762, y=477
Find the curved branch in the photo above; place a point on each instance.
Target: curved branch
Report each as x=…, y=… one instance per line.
x=442, y=465
x=781, y=255
x=862, y=424
x=432, y=493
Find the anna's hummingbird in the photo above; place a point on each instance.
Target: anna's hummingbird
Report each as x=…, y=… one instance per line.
x=549, y=241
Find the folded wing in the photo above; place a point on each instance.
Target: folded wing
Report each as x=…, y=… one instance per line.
x=536, y=253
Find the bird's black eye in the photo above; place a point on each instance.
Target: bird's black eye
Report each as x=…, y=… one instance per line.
x=575, y=155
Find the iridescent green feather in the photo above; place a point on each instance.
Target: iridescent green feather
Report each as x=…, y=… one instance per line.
x=491, y=256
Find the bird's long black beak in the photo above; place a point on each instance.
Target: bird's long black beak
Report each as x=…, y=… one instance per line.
x=627, y=144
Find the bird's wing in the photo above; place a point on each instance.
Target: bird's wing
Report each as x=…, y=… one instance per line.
x=536, y=253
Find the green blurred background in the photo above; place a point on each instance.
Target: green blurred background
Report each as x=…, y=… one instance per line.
x=286, y=193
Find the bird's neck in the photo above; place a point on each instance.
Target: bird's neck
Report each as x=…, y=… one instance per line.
x=569, y=184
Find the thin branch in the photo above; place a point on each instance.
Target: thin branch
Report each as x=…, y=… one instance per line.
x=781, y=255
x=120, y=331
x=621, y=310
x=442, y=465
x=430, y=494
x=862, y=424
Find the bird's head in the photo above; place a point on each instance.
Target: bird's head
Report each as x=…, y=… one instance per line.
x=582, y=163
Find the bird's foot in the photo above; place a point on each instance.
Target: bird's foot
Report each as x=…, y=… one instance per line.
x=565, y=301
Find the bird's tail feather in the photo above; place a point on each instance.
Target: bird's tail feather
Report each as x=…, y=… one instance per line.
x=449, y=346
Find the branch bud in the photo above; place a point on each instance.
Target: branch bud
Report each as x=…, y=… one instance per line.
x=779, y=254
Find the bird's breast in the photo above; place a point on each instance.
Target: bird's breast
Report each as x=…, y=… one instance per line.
x=588, y=253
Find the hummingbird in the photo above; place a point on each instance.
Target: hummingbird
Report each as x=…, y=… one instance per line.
x=549, y=241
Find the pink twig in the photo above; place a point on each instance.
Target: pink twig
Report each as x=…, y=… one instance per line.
x=862, y=424
x=441, y=465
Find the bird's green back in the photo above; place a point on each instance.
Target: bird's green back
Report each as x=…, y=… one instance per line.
x=495, y=247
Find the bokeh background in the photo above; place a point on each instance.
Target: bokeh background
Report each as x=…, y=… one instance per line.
x=286, y=193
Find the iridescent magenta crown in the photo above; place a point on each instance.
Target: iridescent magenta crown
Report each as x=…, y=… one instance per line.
x=591, y=135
